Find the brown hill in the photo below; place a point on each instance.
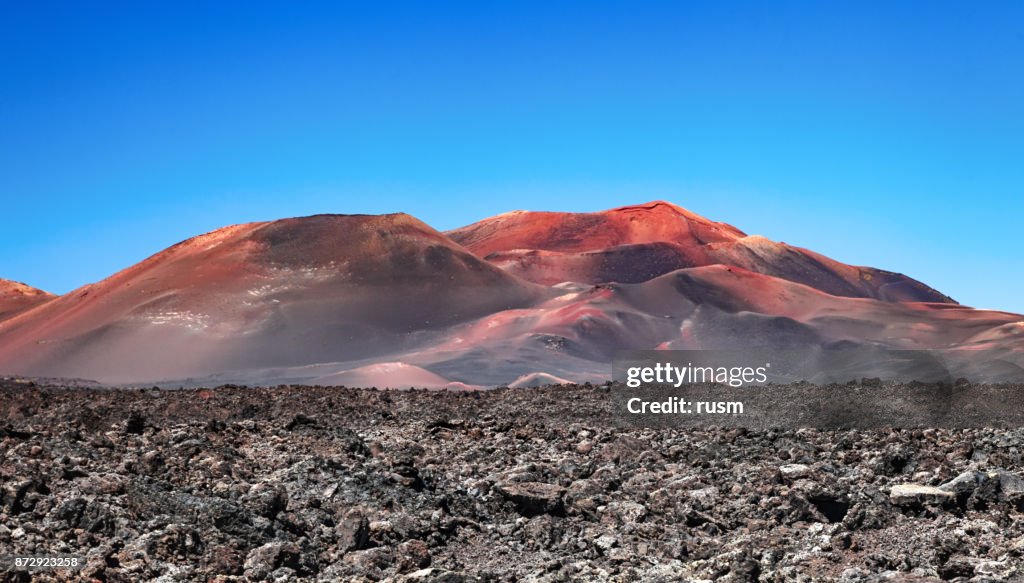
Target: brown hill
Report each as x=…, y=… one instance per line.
x=283, y=293
x=16, y=297
x=636, y=243
x=388, y=301
x=719, y=307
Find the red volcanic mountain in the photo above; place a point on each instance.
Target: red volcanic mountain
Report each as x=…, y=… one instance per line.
x=17, y=297
x=721, y=307
x=286, y=293
x=521, y=298
x=636, y=243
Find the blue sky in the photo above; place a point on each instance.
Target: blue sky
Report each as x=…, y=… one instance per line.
x=879, y=133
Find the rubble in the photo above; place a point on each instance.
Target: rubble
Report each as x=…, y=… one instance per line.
x=332, y=484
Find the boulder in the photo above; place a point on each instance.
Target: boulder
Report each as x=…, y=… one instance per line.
x=534, y=498
x=918, y=494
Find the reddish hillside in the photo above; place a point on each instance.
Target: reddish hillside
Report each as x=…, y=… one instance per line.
x=637, y=243
x=719, y=307
x=284, y=293
x=16, y=297
x=388, y=301
x=654, y=222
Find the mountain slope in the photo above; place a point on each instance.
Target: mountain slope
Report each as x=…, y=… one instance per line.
x=388, y=301
x=16, y=297
x=637, y=243
x=283, y=293
x=718, y=307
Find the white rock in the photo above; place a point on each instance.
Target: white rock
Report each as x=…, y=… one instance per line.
x=908, y=494
x=605, y=542
x=794, y=471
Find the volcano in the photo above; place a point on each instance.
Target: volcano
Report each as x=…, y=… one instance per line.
x=16, y=297
x=284, y=293
x=637, y=243
x=521, y=298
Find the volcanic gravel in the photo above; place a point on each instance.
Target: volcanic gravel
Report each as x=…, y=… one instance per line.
x=331, y=484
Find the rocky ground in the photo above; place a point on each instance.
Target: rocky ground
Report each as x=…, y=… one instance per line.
x=299, y=483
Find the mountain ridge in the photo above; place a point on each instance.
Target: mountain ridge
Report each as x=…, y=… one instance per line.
x=547, y=247
x=17, y=297
x=334, y=298
x=310, y=284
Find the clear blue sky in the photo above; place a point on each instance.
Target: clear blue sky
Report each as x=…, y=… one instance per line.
x=879, y=133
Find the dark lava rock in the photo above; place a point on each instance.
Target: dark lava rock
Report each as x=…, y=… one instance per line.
x=331, y=484
x=534, y=498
